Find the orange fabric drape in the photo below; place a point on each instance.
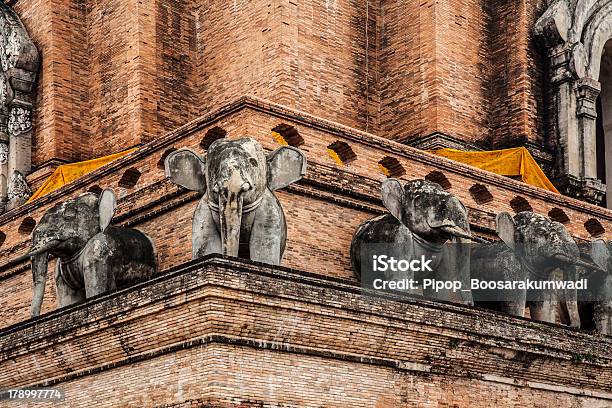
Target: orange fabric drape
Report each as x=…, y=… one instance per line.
x=516, y=162
x=67, y=173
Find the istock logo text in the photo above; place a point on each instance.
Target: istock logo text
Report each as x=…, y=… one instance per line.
x=384, y=263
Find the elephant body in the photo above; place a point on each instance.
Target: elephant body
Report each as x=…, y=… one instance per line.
x=93, y=256
x=423, y=219
x=238, y=215
x=399, y=243
x=535, y=247
x=496, y=262
x=263, y=231
x=600, y=284
x=104, y=265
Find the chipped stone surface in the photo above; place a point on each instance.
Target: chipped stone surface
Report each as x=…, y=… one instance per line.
x=423, y=217
x=532, y=246
x=238, y=207
x=92, y=258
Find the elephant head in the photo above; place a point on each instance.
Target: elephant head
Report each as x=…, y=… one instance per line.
x=540, y=243
x=235, y=176
x=427, y=210
x=63, y=231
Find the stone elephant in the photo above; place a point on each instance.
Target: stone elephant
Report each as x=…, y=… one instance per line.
x=93, y=256
x=238, y=215
x=535, y=247
x=600, y=284
x=422, y=218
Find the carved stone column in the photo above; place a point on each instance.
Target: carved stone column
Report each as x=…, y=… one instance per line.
x=19, y=60
x=587, y=91
x=572, y=32
x=6, y=97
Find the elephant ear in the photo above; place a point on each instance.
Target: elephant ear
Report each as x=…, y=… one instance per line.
x=506, y=227
x=600, y=253
x=107, y=205
x=187, y=169
x=286, y=165
x=392, y=194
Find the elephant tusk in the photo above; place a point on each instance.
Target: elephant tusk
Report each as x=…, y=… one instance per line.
x=37, y=251
x=578, y=262
x=459, y=233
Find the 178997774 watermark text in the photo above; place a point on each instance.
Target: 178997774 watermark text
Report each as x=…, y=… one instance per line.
x=32, y=394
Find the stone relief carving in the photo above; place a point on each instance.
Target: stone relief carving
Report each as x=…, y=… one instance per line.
x=93, y=256
x=238, y=207
x=422, y=218
x=4, y=150
x=19, y=121
x=19, y=60
x=18, y=189
x=575, y=33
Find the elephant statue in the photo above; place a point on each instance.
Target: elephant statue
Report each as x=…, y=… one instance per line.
x=532, y=247
x=93, y=256
x=238, y=215
x=422, y=219
x=600, y=283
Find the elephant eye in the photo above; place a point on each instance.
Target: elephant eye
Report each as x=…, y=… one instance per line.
x=253, y=162
x=70, y=213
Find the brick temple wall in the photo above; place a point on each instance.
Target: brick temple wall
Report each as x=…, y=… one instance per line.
x=114, y=74
x=323, y=211
x=318, y=57
x=121, y=73
x=434, y=69
x=518, y=70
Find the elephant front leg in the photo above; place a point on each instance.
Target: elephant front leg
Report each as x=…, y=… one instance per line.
x=544, y=309
x=98, y=267
x=205, y=238
x=570, y=311
x=569, y=304
x=268, y=233
x=602, y=316
x=514, y=303
x=66, y=296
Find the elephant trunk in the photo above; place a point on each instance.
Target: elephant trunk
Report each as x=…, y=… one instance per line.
x=230, y=211
x=39, y=273
x=40, y=260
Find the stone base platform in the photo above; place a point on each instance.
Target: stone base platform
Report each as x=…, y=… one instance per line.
x=220, y=332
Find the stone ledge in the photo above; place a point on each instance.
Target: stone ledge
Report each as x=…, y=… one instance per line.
x=222, y=300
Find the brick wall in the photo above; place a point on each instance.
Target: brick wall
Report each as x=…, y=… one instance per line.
x=518, y=75
x=122, y=72
x=113, y=74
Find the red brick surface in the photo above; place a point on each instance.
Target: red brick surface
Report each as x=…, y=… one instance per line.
x=122, y=72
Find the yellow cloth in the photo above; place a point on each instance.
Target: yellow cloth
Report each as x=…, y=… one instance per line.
x=67, y=173
x=516, y=162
